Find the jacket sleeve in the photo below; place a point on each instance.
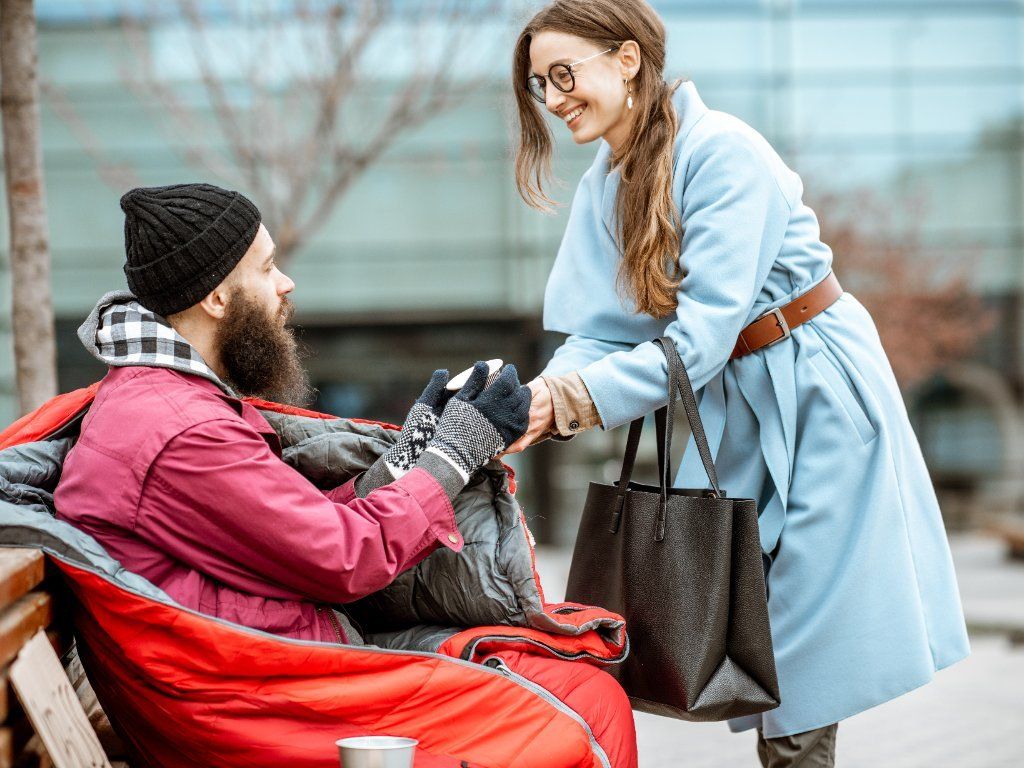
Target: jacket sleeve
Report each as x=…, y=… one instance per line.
x=579, y=351
x=734, y=217
x=219, y=499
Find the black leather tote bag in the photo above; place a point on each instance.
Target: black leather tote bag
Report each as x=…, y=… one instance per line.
x=683, y=567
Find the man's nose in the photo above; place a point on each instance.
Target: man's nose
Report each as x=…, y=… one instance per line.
x=285, y=285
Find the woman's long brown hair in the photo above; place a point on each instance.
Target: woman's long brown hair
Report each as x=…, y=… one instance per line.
x=648, y=222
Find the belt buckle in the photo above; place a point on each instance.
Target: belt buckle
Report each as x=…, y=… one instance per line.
x=781, y=319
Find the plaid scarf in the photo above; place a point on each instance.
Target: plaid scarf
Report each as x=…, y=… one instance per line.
x=126, y=333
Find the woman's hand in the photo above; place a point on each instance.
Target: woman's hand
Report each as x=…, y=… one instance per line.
x=542, y=416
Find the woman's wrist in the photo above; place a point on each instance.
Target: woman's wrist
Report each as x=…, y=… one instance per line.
x=541, y=417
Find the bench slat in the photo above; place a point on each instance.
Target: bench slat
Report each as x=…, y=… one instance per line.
x=20, y=571
x=22, y=620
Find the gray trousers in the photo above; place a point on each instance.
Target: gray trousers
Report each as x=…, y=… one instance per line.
x=811, y=749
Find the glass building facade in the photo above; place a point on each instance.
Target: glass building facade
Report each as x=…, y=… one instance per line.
x=432, y=260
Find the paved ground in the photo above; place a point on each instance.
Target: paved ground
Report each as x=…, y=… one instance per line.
x=971, y=716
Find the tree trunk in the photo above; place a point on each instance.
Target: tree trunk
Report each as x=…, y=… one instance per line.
x=35, y=355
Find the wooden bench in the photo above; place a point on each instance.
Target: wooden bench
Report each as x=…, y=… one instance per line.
x=26, y=606
x=33, y=598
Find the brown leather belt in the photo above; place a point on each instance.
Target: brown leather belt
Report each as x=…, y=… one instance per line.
x=777, y=324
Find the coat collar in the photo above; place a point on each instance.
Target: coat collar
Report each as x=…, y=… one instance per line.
x=689, y=107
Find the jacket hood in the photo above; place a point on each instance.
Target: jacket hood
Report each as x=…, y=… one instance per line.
x=121, y=332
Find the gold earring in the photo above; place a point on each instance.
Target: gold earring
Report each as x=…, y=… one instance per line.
x=629, y=94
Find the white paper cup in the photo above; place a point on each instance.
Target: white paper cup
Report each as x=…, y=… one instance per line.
x=494, y=368
x=376, y=752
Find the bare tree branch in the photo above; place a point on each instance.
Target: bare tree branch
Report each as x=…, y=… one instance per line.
x=162, y=102
x=927, y=314
x=286, y=99
x=114, y=174
x=424, y=96
x=331, y=93
x=227, y=116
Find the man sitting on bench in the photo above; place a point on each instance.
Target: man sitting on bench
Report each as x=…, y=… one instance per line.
x=183, y=482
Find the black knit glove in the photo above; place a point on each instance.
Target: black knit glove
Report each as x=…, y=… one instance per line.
x=479, y=423
x=417, y=432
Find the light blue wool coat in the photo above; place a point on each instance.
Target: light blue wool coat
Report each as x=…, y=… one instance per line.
x=862, y=595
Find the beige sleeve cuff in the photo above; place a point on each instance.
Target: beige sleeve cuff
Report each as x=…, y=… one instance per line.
x=573, y=406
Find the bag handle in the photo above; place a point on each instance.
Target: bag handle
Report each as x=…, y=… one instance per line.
x=628, y=459
x=664, y=417
x=664, y=444
x=664, y=447
x=664, y=428
x=679, y=378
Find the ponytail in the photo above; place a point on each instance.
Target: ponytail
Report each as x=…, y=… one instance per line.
x=649, y=223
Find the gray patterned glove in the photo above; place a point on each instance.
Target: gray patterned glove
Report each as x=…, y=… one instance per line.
x=480, y=422
x=417, y=432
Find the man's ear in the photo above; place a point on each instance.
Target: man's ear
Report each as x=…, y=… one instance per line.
x=215, y=303
x=629, y=59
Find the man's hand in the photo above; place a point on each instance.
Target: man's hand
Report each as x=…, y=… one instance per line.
x=417, y=432
x=481, y=420
x=542, y=416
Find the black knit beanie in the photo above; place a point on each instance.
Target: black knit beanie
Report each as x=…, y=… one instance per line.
x=182, y=241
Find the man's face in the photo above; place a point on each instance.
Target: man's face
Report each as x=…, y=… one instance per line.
x=258, y=277
x=257, y=348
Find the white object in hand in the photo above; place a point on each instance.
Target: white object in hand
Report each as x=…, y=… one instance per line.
x=494, y=367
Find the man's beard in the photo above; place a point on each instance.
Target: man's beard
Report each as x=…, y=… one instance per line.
x=259, y=352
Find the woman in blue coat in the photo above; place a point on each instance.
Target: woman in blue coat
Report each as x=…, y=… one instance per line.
x=862, y=595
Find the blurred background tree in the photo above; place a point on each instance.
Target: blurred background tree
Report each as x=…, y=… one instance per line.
x=32, y=322
x=299, y=107
x=928, y=313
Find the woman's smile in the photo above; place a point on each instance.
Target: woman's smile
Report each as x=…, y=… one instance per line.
x=572, y=117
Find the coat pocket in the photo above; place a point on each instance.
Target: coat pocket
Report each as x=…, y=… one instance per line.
x=837, y=380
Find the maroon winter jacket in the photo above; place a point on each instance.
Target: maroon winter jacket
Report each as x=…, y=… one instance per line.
x=185, y=486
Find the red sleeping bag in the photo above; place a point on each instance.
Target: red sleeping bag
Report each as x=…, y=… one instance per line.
x=183, y=688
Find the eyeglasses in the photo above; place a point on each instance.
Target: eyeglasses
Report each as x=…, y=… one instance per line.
x=562, y=76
